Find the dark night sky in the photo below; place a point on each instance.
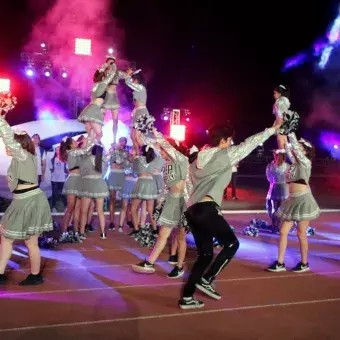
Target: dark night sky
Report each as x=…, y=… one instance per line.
x=221, y=63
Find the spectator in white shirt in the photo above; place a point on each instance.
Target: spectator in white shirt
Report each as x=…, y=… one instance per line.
x=59, y=173
x=40, y=154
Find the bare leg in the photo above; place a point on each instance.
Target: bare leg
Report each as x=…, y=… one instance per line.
x=123, y=211
x=182, y=247
x=174, y=246
x=163, y=236
x=5, y=252
x=100, y=212
x=71, y=203
x=134, y=212
x=303, y=239
x=84, y=210
x=143, y=213
x=114, y=124
x=90, y=212
x=98, y=131
x=149, y=208
x=34, y=254
x=112, y=206
x=285, y=228
x=281, y=141
x=76, y=215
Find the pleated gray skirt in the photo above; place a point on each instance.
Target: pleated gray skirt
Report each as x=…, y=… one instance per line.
x=278, y=192
x=94, y=186
x=72, y=185
x=299, y=206
x=128, y=186
x=92, y=113
x=145, y=189
x=28, y=214
x=116, y=179
x=111, y=101
x=172, y=211
x=159, y=183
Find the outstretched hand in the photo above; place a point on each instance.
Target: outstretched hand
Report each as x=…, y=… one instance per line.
x=277, y=125
x=129, y=71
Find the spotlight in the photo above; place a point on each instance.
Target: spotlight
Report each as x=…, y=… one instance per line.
x=29, y=70
x=336, y=147
x=187, y=119
x=64, y=72
x=5, y=85
x=64, y=75
x=43, y=45
x=165, y=117
x=177, y=132
x=110, y=50
x=82, y=46
x=47, y=73
x=48, y=69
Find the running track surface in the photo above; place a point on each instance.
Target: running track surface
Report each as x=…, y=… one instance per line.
x=90, y=292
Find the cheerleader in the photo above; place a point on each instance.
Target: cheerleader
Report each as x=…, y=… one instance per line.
x=117, y=157
x=142, y=121
x=283, y=115
x=158, y=177
x=93, y=186
x=92, y=115
x=170, y=216
x=29, y=214
x=145, y=189
x=128, y=186
x=111, y=101
x=278, y=189
x=300, y=206
x=70, y=153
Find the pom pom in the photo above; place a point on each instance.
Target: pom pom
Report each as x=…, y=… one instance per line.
x=147, y=236
x=47, y=242
x=310, y=231
x=251, y=230
x=290, y=123
x=7, y=101
x=144, y=123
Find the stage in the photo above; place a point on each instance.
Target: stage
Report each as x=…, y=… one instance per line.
x=90, y=291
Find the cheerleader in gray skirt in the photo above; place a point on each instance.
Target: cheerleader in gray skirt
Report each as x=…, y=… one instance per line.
x=70, y=153
x=300, y=206
x=158, y=177
x=142, y=121
x=29, y=214
x=145, y=189
x=93, y=187
x=170, y=216
x=278, y=189
x=117, y=156
x=130, y=182
x=92, y=115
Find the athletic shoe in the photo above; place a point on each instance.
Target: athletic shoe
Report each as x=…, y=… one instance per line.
x=32, y=280
x=173, y=259
x=208, y=289
x=277, y=267
x=301, y=268
x=144, y=267
x=120, y=229
x=176, y=273
x=103, y=236
x=3, y=279
x=190, y=303
x=112, y=227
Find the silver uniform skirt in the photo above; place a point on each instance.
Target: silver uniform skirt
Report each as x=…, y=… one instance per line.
x=172, y=212
x=116, y=179
x=92, y=113
x=72, y=185
x=111, y=101
x=28, y=214
x=128, y=187
x=300, y=206
x=93, y=186
x=159, y=183
x=145, y=189
x=278, y=191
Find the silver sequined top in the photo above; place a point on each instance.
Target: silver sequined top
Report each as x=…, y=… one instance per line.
x=99, y=88
x=23, y=165
x=211, y=172
x=301, y=167
x=275, y=173
x=118, y=156
x=73, y=157
x=281, y=106
x=139, y=91
x=141, y=166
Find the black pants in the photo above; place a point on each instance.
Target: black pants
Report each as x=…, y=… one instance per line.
x=206, y=222
x=57, y=193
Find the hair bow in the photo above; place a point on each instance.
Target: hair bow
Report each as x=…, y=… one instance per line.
x=65, y=139
x=20, y=132
x=304, y=142
x=193, y=149
x=283, y=87
x=138, y=71
x=278, y=151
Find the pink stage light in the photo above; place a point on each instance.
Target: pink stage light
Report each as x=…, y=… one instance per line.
x=178, y=132
x=82, y=46
x=5, y=85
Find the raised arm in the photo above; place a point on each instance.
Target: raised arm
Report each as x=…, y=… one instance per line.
x=295, y=147
x=238, y=152
x=12, y=146
x=289, y=153
x=175, y=155
x=136, y=87
x=84, y=151
x=99, y=88
x=268, y=171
